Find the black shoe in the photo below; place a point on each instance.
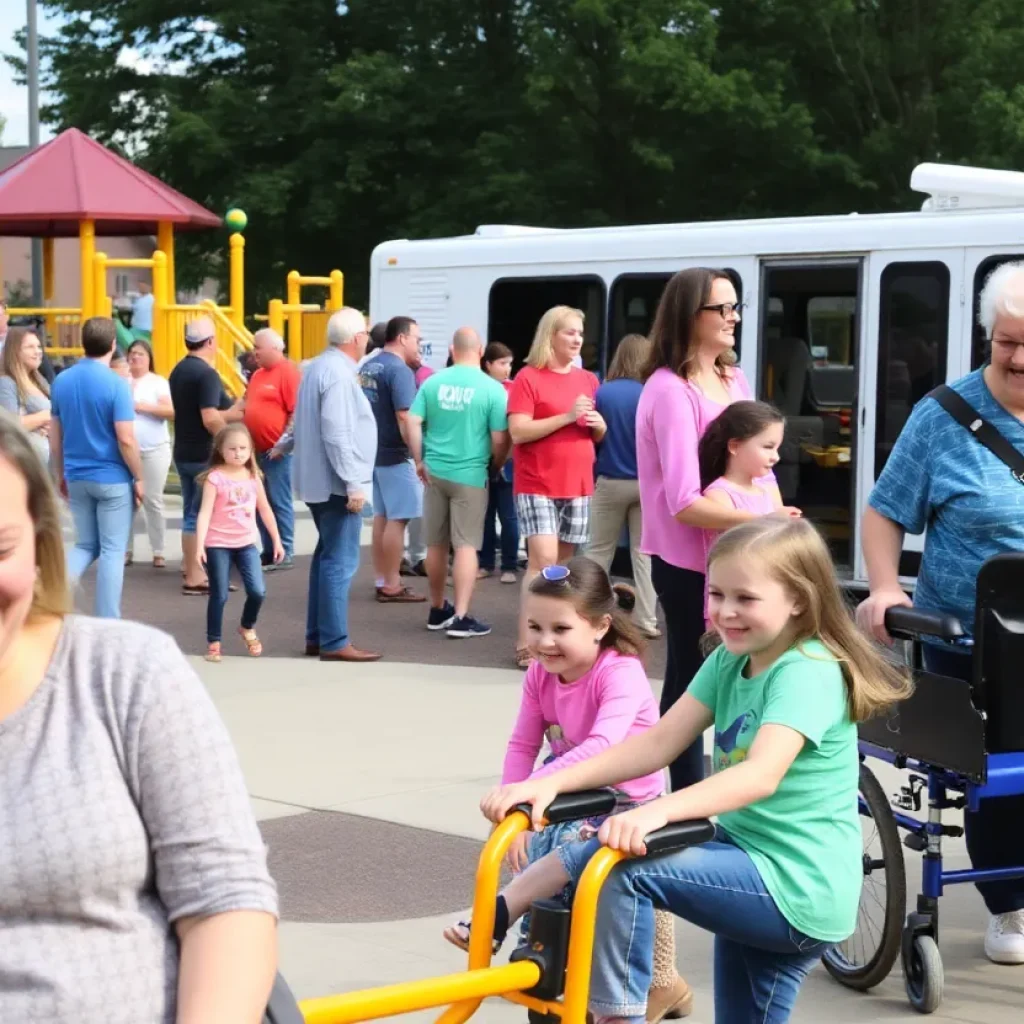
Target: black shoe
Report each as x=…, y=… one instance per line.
x=441, y=618
x=405, y=568
x=420, y=569
x=466, y=627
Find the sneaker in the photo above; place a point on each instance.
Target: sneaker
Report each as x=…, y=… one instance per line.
x=467, y=626
x=1004, y=940
x=441, y=618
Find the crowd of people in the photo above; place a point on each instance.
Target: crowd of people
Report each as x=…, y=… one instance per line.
x=761, y=646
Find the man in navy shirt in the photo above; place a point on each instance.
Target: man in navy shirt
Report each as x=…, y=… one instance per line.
x=96, y=461
x=390, y=386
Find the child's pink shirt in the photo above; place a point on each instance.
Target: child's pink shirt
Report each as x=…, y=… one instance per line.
x=233, y=522
x=582, y=719
x=670, y=420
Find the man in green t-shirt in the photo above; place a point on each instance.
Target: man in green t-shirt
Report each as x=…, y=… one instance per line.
x=456, y=428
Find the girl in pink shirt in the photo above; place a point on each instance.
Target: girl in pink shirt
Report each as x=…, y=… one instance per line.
x=226, y=534
x=586, y=691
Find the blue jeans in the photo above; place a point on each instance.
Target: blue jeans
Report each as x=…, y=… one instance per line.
x=501, y=506
x=335, y=561
x=103, y=515
x=191, y=496
x=760, y=959
x=218, y=569
x=277, y=478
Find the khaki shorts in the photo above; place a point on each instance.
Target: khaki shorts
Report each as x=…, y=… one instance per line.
x=454, y=514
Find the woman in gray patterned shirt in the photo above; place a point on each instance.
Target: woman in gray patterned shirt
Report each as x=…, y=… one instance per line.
x=133, y=879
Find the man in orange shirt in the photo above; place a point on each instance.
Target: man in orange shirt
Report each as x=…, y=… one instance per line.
x=268, y=407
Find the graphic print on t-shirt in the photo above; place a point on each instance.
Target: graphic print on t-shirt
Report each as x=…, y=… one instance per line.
x=732, y=744
x=557, y=741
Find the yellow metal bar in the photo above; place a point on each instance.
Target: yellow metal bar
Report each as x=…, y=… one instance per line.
x=337, y=285
x=390, y=1000
x=69, y=351
x=87, y=252
x=43, y=310
x=160, y=297
x=543, y=1006
x=124, y=261
x=581, y=934
x=99, y=283
x=47, y=269
x=165, y=243
x=305, y=279
x=294, y=297
x=275, y=319
x=237, y=279
x=485, y=899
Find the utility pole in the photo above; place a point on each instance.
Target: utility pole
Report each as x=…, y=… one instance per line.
x=33, y=138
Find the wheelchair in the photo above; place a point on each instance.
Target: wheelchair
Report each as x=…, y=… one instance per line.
x=961, y=743
x=549, y=975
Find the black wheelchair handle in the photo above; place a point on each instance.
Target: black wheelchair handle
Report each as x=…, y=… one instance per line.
x=678, y=835
x=911, y=624
x=588, y=803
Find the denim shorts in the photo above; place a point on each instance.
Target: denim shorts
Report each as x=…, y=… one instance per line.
x=191, y=495
x=397, y=492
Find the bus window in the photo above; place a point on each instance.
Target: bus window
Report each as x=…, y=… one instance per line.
x=913, y=331
x=516, y=305
x=979, y=347
x=634, y=301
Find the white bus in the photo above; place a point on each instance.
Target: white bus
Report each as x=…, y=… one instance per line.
x=847, y=322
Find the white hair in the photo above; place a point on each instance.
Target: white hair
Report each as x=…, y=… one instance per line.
x=344, y=326
x=1003, y=295
x=270, y=336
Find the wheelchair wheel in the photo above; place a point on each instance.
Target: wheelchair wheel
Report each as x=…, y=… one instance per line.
x=866, y=957
x=923, y=975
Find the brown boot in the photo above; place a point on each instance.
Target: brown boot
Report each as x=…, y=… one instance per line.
x=349, y=653
x=669, y=1002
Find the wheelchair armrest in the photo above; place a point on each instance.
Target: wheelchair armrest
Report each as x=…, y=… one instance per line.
x=679, y=835
x=588, y=803
x=912, y=624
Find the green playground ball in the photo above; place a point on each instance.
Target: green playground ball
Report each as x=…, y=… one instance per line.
x=236, y=219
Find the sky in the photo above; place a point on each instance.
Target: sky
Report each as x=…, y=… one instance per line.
x=13, y=97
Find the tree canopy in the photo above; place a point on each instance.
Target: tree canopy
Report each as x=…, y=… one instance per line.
x=338, y=125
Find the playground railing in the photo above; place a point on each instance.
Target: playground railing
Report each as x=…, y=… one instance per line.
x=228, y=337
x=63, y=328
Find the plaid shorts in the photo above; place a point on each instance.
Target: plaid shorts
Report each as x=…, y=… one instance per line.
x=568, y=519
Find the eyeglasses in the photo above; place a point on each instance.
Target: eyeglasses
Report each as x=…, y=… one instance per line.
x=555, y=573
x=726, y=309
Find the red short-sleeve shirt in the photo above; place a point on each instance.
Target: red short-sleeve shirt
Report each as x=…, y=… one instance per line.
x=270, y=401
x=560, y=465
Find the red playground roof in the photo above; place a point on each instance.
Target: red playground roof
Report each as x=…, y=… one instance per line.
x=73, y=178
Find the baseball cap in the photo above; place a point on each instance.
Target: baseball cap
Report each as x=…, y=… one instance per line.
x=199, y=330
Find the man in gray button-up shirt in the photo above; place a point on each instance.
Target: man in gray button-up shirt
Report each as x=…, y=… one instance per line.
x=335, y=438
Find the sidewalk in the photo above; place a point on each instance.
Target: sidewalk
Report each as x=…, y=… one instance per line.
x=367, y=782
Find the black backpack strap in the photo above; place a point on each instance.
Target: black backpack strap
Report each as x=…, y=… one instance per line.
x=968, y=417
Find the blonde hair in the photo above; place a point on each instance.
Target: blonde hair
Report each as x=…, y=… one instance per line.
x=795, y=555
x=12, y=366
x=630, y=359
x=51, y=595
x=220, y=439
x=552, y=321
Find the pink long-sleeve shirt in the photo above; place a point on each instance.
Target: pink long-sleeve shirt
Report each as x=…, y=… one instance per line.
x=579, y=720
x=670, y=420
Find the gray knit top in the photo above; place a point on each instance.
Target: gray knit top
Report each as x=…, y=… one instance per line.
x=122, y=809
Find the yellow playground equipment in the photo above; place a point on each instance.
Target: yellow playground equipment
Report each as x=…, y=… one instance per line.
x=549, y=976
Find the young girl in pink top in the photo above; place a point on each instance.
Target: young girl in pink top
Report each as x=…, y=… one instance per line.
x=585, y=691
x=226, y=534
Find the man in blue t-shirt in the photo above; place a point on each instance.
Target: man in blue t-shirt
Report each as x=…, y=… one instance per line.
x=390, y=386
x=96, y=461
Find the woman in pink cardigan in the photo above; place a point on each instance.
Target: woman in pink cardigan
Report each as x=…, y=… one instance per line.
x=691, y=378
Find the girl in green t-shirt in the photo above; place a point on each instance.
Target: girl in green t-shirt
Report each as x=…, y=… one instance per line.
x=781, y=880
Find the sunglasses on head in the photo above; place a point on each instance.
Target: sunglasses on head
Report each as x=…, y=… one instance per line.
x=555, y=573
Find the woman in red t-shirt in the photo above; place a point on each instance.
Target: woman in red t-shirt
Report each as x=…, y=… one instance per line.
x=553, y=424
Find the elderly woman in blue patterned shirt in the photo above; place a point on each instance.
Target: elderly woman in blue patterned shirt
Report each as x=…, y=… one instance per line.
x=940, y=478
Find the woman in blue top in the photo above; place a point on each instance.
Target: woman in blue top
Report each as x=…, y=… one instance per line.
x=616, y=500
x=781, y=881
x=941, y=479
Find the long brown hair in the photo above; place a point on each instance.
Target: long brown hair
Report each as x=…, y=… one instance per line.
x=795, y=555
x=220, y=439
x=738, y=422
x=52, y=595
x=591, y=593
x=672, y=336
x=630, y=359
x=12, y=366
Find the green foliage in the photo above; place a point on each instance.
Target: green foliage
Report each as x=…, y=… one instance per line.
x=335, y=126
